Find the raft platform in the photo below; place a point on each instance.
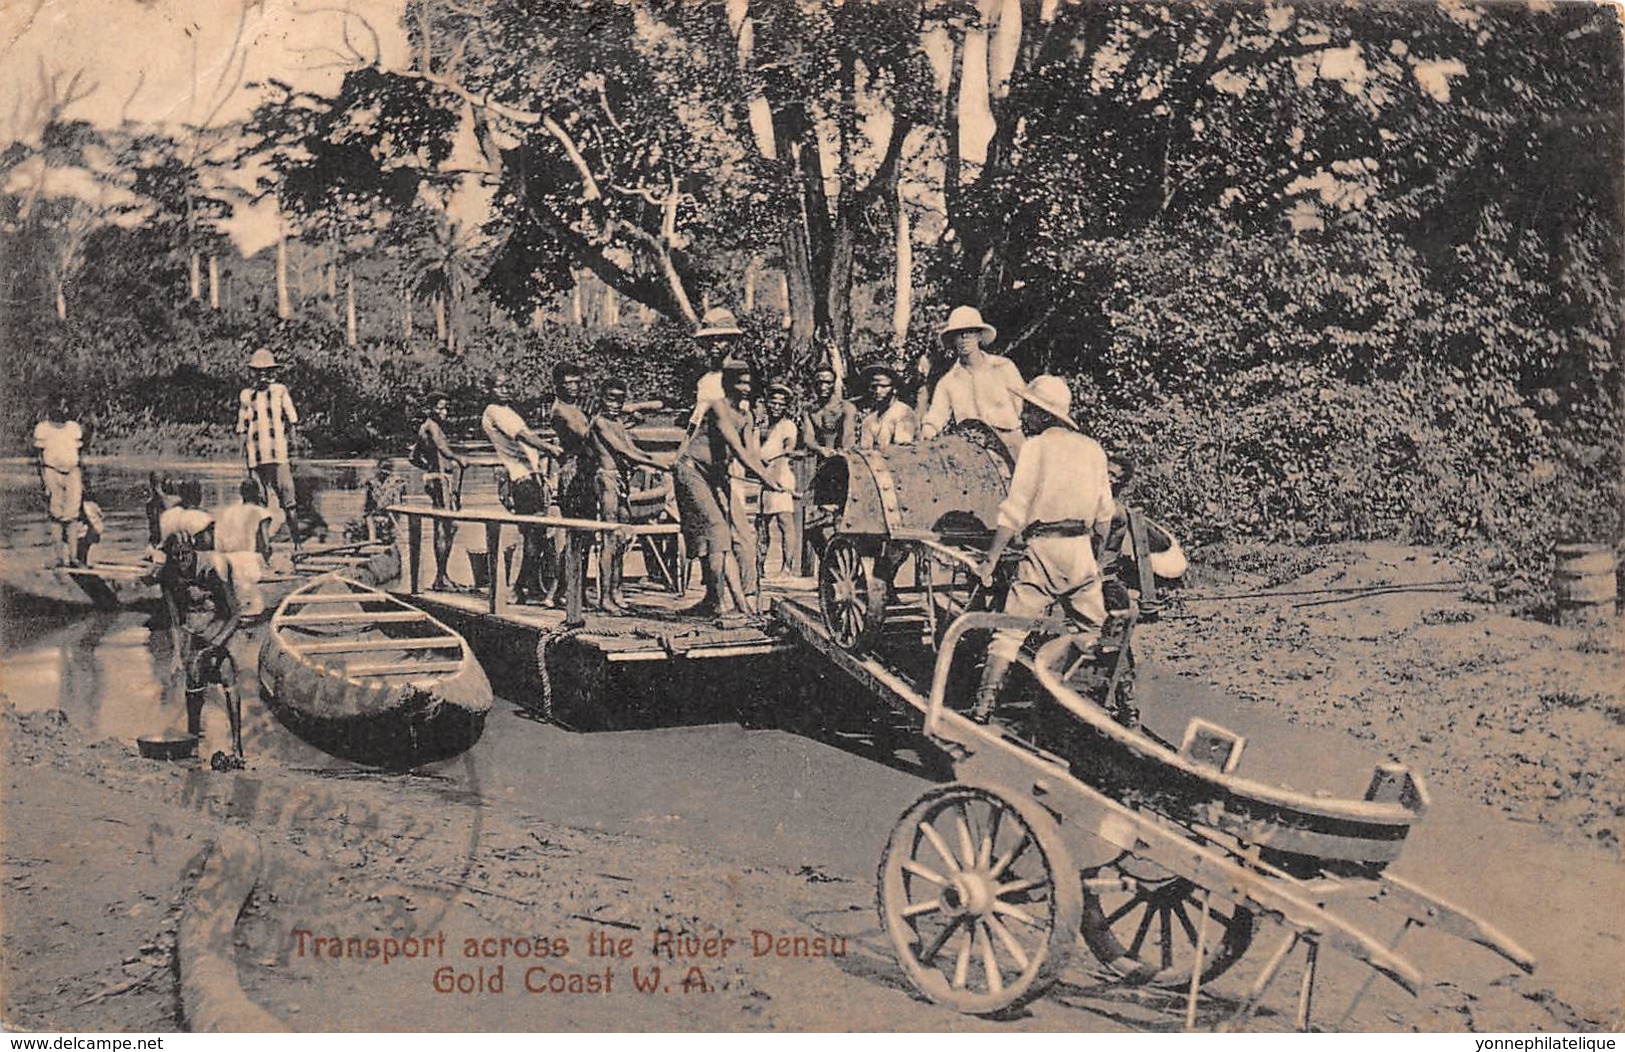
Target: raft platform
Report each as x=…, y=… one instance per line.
x=587, y=670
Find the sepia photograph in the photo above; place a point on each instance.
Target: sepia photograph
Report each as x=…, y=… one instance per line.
x=786, y=516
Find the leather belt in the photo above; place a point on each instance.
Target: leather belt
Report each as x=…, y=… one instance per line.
x=1063, y=528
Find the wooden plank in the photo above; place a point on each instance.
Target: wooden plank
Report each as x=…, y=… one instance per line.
x=893, y=689
x=375, y=617
x=702, y=653
x=414, y=548
x=341, y=597
x=404, y=668
x=111, y=571
x=556, y=521
x=358, y=646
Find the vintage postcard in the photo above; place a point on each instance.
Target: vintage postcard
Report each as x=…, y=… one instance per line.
x=801, y=515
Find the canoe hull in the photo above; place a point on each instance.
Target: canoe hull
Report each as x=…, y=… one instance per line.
x=392, y=721
x=1303, y=834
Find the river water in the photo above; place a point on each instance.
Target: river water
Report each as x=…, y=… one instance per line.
x=108, y=671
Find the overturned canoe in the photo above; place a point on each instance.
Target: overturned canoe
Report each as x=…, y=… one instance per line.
x=367, y=677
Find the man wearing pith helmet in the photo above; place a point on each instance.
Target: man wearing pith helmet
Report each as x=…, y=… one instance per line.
x=266, y=419
x=718, y=332
x=1060, y=500
x=978, y=385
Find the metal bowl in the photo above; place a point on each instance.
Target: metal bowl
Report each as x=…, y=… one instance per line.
x=167, y=746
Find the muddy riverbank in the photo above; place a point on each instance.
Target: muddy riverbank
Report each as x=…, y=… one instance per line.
x=591, y=845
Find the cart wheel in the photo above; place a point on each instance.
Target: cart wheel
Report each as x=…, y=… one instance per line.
x=852, y=598
x=978, y=896
x=1158, y=915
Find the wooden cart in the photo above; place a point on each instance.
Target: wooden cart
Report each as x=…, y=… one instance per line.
x=1164, y=857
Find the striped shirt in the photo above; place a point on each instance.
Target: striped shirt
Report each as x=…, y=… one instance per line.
x=263, y=417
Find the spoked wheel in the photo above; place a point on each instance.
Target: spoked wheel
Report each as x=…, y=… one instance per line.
x=852, y=598
x=1141, y=922
x=979, y=897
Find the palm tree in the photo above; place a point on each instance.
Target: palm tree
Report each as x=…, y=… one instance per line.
x=446, y=269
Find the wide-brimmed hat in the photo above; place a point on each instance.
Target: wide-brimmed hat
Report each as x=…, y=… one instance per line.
x=263, y=359
x=1050, y=394
x=964, y=319
x=718, y=321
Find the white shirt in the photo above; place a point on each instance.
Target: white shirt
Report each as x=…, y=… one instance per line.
x=58, y=444
x=1060, y=475
x=264, y=416
x=502, y=426
x=236, y=527
x=708, y=390
x=981, y=394
x=190, y=521
x=777, y=445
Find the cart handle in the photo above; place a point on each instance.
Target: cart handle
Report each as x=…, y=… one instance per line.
x=971, y=622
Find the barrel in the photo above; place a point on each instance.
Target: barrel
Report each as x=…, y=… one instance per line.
x=1585, y=582
x=952, y=484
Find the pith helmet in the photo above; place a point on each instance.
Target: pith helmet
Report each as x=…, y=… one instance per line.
x=1050, y=394
x=963, y=319
x=718, y=321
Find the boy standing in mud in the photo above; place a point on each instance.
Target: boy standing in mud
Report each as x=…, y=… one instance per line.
x=201, y=598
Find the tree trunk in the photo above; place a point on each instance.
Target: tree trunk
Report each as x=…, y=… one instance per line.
x=194, y=281
x=439, y=318
x=750, y=284
x=284, y=309
x=330, y=282
x=903, y=284
x=214, y=282
x=577, y=317
x=799, y=296
x=454, y=320
x=838, y=286
x=612, y=308
x=349, y=305
x=59, y=297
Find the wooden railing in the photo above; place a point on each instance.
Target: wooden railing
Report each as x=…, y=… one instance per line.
x=575, y=583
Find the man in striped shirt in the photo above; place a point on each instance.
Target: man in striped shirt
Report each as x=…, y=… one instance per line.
x=266, y=418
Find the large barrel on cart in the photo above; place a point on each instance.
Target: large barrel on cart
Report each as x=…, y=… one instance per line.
x=875, y=510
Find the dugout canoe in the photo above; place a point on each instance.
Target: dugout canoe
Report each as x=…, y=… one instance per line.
x=367, y=677
x=1199, y=783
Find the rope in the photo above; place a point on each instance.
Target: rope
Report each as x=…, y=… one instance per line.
x=543, y=644
x=1355, y=590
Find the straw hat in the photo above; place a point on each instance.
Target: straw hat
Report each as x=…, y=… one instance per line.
x=263, y=359
x=1050, y=394
x=964, y=319
x=718, y=321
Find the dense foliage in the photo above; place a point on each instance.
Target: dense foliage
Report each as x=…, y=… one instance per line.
x=1322, y=271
